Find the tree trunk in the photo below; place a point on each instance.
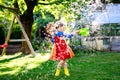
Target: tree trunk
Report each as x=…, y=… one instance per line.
x=27, y=21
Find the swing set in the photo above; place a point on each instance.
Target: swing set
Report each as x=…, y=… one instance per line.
x=16, y=40
x=3, y=45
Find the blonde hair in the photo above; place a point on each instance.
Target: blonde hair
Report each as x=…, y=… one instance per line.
x=59, y=24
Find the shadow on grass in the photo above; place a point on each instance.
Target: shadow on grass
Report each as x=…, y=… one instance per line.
x=98, y=67
x=5, y=69
x=9, y=59
x=42, y=72
x=45, y=71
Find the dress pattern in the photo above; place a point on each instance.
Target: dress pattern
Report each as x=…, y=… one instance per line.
x=61, y=50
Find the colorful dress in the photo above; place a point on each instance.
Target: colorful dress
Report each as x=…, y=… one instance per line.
x=61, y=50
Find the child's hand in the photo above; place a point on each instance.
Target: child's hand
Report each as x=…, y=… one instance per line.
x=76, y=32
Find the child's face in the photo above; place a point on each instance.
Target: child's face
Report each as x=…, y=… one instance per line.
x=61, y=28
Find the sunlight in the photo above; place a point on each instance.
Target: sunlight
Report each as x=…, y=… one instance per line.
x=14, y=64
x=13, y=72
x=10, y=56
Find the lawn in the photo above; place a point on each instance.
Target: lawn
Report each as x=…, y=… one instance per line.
x=100, y=66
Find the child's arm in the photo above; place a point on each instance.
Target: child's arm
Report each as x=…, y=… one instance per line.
x=71, y=34
x=68, y=35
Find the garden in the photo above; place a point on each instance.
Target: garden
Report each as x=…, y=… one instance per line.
x=33, y=45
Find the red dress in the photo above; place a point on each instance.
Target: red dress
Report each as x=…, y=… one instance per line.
x=60, y=50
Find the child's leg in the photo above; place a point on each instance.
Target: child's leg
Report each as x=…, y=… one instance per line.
x=58, y=68
x=66, y=69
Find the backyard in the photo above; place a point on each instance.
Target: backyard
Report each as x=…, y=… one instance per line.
x=28, y=29
x=94, y=66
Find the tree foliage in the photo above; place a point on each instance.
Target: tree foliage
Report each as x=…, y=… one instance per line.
x=26, y=8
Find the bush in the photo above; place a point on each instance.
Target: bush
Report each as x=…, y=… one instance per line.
x=39, y=33
x=16, y=32
x=2, y=34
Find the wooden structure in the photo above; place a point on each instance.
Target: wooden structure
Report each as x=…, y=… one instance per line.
x=102, y=43
x=18, y=40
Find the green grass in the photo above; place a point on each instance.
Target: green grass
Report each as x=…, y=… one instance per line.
x=101, y=66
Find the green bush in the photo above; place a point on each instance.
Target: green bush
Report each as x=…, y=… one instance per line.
x=16, y=32
x=2, y=34
x=39, y=42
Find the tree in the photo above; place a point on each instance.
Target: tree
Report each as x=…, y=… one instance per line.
x=25, y=8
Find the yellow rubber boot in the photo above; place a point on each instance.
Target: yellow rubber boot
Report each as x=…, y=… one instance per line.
x=57, y=72
x=66, y=72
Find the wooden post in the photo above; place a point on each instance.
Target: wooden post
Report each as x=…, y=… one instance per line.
x=111, y=43
x=8, y=35
x=25, y=35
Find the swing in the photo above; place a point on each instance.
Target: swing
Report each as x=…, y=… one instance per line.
x=3, y=45
x=16, y=40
